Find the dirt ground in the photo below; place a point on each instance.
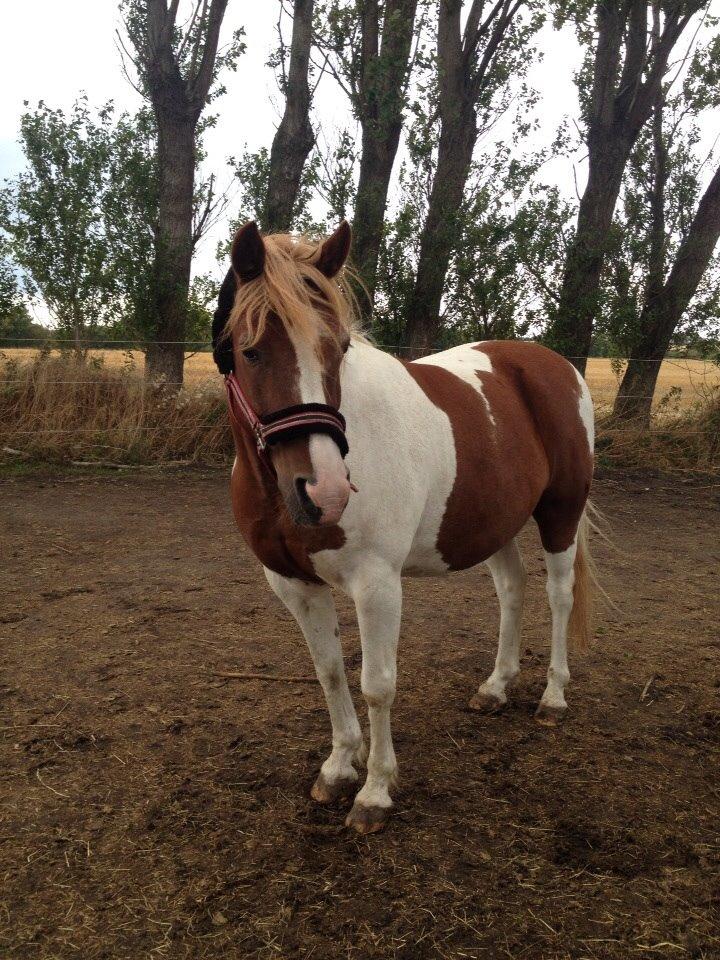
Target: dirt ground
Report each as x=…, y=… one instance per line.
x=149, y=808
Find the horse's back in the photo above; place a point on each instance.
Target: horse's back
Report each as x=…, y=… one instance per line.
x=522, y=424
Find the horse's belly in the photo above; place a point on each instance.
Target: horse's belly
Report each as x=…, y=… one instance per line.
x=424, y=558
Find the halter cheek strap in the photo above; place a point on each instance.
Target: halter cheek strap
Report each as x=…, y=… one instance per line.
x=286, y=424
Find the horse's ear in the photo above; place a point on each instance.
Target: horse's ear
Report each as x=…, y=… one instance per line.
x=334, y=251
x=247, y=253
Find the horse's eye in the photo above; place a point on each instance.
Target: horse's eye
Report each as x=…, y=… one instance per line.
x=252, y=356
x=346, y=345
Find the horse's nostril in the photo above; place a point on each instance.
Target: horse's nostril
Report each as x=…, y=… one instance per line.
x=312, y=512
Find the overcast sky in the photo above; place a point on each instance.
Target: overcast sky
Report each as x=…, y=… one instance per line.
x=54, y=49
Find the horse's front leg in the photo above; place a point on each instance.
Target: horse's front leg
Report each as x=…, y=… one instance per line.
x=314, y=609
x=378, y=600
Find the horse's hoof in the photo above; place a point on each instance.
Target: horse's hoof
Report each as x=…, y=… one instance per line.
x=550, y=716
x=486, y=703
x=367, y=819
x=325, y=792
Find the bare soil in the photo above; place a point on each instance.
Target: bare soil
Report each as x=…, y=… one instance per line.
x=149, y=808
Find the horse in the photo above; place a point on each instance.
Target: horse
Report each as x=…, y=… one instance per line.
x=354, y=469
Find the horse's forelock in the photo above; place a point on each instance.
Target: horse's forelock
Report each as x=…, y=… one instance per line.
x=294, y=290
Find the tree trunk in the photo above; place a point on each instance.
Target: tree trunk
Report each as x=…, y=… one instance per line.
x=466, y=65
x=293, y=141
x=661, y=316
x=384, y=67
x=376, y=166
x=294, y=138
x=173, y=255
x=572, y=327
x=439, y=234
x=624, y=90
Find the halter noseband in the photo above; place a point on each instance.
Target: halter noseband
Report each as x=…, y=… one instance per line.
x=296, y=421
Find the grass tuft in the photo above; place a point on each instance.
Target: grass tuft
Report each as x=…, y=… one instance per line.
x=60, y=408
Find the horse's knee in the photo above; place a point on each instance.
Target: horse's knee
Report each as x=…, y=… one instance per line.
x=511, y=588
x=378, y=688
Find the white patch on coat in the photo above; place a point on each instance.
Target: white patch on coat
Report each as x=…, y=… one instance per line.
x=402, y=459
x=465, y=362
x=585, y=406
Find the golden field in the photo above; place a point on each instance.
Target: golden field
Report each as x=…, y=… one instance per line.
x=692, y=378
x=62, y=409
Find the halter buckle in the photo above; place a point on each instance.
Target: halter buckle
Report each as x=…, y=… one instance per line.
x=260, y=439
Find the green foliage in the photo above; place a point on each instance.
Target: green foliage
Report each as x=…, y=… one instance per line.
x=15, y=321
x=82, y=222
x=52, y=216
x=503, y=276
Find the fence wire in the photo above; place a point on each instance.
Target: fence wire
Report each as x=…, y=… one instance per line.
x=697, y=369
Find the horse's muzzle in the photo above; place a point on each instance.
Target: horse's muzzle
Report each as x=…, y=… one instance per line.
x=319, y=501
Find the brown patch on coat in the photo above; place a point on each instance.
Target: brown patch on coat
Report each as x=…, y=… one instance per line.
x=533, y=461
x=264, y=522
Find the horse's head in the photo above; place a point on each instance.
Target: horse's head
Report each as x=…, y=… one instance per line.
x=290, y=327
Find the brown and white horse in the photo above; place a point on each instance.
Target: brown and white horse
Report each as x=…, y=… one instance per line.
x=450, y=456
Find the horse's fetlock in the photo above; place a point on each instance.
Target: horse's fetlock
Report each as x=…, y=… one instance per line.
x=561, y=677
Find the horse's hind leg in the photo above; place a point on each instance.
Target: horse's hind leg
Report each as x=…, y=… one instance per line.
x=560, y=580
x=314, y=609
x=508, y=573
x=558, y=521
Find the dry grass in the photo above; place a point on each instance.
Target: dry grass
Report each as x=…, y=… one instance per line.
x=688, y=441
x=685, y=381
x=54, y=407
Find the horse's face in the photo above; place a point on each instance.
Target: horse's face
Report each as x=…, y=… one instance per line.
x=280, y=364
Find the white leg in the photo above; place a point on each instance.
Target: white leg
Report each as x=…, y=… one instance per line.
x=314, y=609
x=509, y=576
x=560, y=581
x=378, y=600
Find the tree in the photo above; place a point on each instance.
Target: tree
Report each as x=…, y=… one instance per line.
x=51, y=214
x=474, y=66
x=510, y=237
x=294, y=138
x=618, y=92
x=665, y=306
x=15, y=321
x=368, y=44
x=176, y=69
x=128, y=206
x=274, y=185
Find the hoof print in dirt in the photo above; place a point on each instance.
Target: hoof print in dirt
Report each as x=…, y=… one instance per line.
x=325, y=792
x=367, y=819
x=550, y=716
x=486, y=703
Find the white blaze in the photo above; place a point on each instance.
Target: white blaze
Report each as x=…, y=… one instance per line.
x=331, y=490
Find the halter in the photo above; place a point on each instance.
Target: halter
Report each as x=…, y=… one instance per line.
x=286, y=424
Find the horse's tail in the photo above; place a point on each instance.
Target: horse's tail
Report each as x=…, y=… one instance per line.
x=586, y=579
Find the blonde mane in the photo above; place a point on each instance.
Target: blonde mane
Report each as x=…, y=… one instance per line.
x=292, y=288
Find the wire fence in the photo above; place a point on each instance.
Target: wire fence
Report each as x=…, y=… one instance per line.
x=137, y=413
x=56, y=343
